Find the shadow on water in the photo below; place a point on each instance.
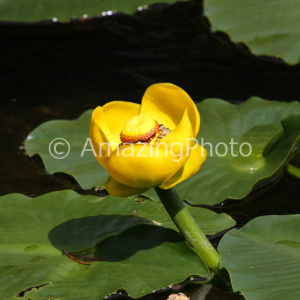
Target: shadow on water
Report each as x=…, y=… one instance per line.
x=280, y=197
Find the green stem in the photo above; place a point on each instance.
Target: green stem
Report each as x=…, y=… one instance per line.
x=293, y=170
x=189, y=228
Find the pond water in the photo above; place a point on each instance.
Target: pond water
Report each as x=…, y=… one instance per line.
x=57, y=71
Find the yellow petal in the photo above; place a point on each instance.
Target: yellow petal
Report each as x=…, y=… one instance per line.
x=166, y=103
x=106, y=125
x=181, y=138
x=143, y=165
x=116, y=188
x=100, y=135
x=196, y=158
x=117, y=113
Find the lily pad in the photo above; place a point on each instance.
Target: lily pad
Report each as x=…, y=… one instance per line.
x=64, y=146
x=33, y=10
x=263, y=258
x=33, y=233
x=266, y=27
x=271, y=128
x=209, y=222
x=223, y=175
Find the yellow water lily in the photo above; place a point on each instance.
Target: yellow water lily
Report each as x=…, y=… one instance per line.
x=148, y=145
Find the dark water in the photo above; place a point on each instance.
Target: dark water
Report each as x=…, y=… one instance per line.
x=57, y=71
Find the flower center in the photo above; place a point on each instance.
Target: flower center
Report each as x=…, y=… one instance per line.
x=139, y=128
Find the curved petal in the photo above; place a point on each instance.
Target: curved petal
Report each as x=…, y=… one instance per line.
x=116, y=188
x=143, y=165
x=117, y=113
x=166, y=103
x=181, y=139
x=100, y=136
x=106, y=125
x=192, y=166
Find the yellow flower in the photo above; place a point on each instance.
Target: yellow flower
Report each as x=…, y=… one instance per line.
x=148, y=145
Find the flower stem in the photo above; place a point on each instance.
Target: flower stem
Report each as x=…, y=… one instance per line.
x=189, y=228
x=293, y=170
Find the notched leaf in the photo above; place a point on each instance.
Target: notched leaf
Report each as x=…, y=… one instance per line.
x=22, y=294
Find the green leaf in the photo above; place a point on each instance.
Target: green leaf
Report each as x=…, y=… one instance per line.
x=209, y=222
x=263, y=258
x=33, y=232
x=266, y=27
x=33, y=10
x=80, y=162
x=257, y=122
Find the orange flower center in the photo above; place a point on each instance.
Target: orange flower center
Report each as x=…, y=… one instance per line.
x=140, y=128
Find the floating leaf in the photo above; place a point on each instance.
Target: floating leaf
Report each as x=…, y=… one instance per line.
x=266, y=27
x=33, y=232
x=223, y=175
x=257, y=122
x=263, y=258
x=33, y=10
x=54, y=137
x=209, y=222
